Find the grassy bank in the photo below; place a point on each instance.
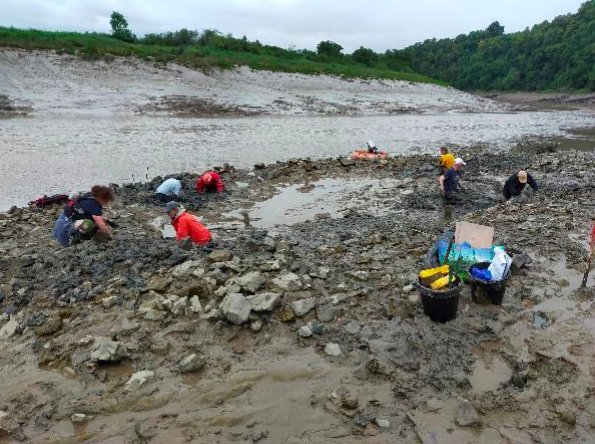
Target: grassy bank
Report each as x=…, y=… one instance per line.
x=95, y=46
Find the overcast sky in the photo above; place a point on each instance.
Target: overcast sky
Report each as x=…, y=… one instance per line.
x=378, y=24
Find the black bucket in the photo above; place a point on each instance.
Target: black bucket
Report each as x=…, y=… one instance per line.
x=441, y=305
x=492, y=291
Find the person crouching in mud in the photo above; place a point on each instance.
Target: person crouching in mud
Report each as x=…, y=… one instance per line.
x=516, y=183
x=449, y=181
x=168, y=190
x=188, y=228
x=209, y=182
x=82, y=218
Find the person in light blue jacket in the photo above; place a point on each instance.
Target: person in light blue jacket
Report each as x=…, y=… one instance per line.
x=171, y=188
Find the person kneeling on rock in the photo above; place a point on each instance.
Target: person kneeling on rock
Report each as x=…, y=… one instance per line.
x=169, y=189
x=83, y=219
x=516, y=183
x=210, y=182
x=188, y=228
x=449, y=181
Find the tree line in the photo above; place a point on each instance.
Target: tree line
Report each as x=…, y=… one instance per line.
x=556, y=55
x=326, y=51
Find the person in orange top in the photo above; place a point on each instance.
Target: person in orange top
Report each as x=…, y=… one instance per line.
x=447, y=160
x=210, y=182
x=188, y=227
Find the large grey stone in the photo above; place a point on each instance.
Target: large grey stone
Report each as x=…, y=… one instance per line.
x=333, y=349
x=10, y=329
x=288, y=282
x=252, y=282
x=191, y=363
x=185, y=269
x=303, y=306
x=106, y=350
x=236, y=308
x=264, y=301
x=467, y=416
x=139, y=379
x=220, y=256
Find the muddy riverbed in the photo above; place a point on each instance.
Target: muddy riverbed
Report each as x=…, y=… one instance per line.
x=300, y=327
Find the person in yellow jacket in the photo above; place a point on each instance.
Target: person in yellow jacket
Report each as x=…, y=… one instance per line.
x=447, y=160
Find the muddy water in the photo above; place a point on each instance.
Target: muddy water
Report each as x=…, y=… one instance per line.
x=300, y=202
x=51, y=154
x=489, y=369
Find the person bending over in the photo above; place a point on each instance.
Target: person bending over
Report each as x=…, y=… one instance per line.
x=210, y=182
x=168, y=190
x=516, y=183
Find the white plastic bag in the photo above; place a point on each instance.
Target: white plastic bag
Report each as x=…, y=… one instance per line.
x=500, y=264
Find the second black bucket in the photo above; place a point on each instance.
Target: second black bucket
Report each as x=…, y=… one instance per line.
x=441, y=305
x=492, y=291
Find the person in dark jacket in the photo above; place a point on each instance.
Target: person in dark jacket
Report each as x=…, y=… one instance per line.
x=516, y=183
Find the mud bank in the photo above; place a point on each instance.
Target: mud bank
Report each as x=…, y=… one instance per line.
x=60, y=84
x=304, y=331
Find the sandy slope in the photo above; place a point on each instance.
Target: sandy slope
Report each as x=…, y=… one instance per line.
x=53, y=84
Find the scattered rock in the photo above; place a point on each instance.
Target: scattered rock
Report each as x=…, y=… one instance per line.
x=287, y=314
x=305, y=331
x=138, y=379
x=109, y=302
x=10, y=329
x=288, y=282
x=467, y=416
x=220, y=256
x=49, y=327
x=106, y=350
x=353, y=328
x=264, y=301
x=256, y=326
x=185, y=269
x=349, y=401
x=382, y=423
x=80, y=418
x=252, y=282
x=191, y=364
x=236, y=308
x=332, y=349
x=303, y=306
x=195, y=304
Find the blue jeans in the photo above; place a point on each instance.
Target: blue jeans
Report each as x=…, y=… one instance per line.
x=63, y=230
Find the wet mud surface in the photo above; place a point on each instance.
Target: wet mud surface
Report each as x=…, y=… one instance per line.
x=338, y=348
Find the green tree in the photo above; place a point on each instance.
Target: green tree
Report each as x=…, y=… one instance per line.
x=329, y=50
x=495, y=29
x=120, y=29
x=365, y=56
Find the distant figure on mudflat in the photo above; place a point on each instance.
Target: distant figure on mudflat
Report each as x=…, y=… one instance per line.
x=447, y=160
x=169, y=190
x=516, y=183
x=210, y=182
x=449, y=181
x=372, y=148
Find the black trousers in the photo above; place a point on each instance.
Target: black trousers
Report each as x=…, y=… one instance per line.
x=163, y=197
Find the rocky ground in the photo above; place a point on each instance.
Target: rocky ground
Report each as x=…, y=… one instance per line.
x=304, y=333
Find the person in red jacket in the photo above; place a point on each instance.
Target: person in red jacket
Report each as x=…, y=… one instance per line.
x=188, y=227
x=210, y=182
